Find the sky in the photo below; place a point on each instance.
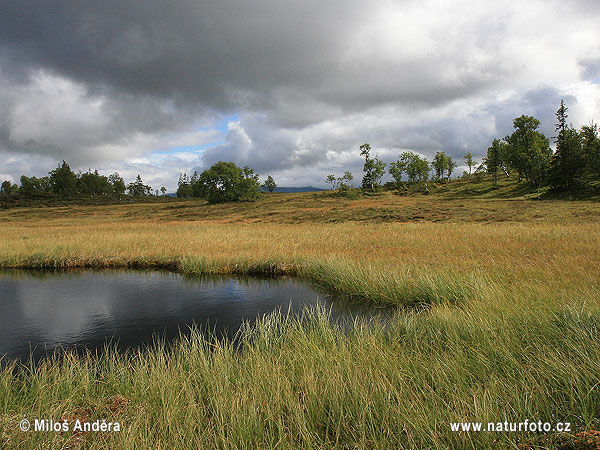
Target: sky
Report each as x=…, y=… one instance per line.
x=289, y=88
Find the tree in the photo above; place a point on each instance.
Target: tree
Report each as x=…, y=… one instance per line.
x=117, y=183
x=415, y=168
x=493, y=160
x=567, y=166
x=397, y=168
x=540, y=157
x=269, y=184
x=590, y=147
x=138, y=188
x=345, y=181
x=249, y=188
x=528, y=151
x=470, y=163
x=450, y=166
x=332, y=180
x=224, y=182
x=8, y=188
x=32, y=186
x=28, y=186
x=92, y=184
x=440, y=164
x=194, y=185
x=163, y=190
x=479, y=171
x=185, y=188
x=64, y=181
x=373, y=168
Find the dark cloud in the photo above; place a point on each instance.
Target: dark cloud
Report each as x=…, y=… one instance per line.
x=227, y=54
x=540, y=103
x=590, y=68
x=208, y=52
x=108, y=83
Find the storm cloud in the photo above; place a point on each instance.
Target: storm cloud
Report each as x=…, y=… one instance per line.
x=289, y=88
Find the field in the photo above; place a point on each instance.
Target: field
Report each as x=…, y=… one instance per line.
x=498, y=320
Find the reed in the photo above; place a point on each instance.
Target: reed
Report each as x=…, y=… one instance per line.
x=306, y=383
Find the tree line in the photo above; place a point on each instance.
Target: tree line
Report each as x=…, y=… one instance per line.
x=410, y=168
x=575, y=165
x=222, y=182
x=64, y=184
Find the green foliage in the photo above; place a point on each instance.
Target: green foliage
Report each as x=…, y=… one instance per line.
x=269, y=184
x=411, y=164
x=528, y=151
x=64, y=181
x=450, y=166
x=33, y=186
x=343, y=185
x=184, y=187
x=417, y=168
x=479, y=172
x=575, y=165
x=91, y=184
x=138, y=188
x=332, y=180
x=8, y=189
x=63, y=184
x=225, y=182
x=345, y=181
x=373, y=168
x=495, y=157
x=117, y=183
x=195, y=186
x=351, y=193
x=470, y=163
x=440, y=165
x=590, y=146
x=397, y=168
x=567, y=163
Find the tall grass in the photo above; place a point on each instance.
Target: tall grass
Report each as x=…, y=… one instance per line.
x=511, y=332
x=305, y=383
x=391, y=263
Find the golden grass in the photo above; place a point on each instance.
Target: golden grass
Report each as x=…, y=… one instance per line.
x=511, y=332
x=549, y=255
x=395, y=262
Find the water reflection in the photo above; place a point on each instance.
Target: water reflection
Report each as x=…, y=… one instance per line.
x=41, y=311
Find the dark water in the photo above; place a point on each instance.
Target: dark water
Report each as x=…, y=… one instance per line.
x=43, y=311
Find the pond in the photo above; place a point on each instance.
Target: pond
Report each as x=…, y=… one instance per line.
x=44, y=311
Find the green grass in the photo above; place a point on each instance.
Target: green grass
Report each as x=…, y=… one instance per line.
x=304, y=383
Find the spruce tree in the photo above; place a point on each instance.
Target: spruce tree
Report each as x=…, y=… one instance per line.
x=567, y=164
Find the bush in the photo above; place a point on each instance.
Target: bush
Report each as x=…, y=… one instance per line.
x=350, y=193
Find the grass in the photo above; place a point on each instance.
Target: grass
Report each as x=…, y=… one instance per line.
x=508, y=324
